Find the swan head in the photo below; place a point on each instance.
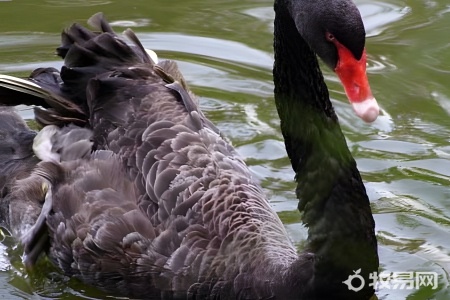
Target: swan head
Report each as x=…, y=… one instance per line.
x=335, y=31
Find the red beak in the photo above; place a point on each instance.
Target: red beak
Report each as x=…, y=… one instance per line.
x=352, y=74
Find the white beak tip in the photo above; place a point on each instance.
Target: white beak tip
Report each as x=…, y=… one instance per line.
x=368, y=110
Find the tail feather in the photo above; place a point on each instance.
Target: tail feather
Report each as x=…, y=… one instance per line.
x=42, y=90
x=98, y=22
x=88, y=55
x=49, y=80
x=68, y=38
x=50, y=116
x=102, y=75
x=14, y=91
x=82, y=47
x=143, y=52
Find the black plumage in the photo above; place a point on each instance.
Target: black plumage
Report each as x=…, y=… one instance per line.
x=164, y=207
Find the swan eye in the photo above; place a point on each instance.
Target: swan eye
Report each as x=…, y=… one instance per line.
x=330, y=37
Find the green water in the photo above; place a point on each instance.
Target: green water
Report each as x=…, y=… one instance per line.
x=225, y=51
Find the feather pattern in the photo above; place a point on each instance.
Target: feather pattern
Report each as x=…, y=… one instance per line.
x=163, y=203
x=16, y=163
x=164, y=207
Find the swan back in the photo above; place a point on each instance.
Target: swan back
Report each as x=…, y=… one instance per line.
x=170, y=207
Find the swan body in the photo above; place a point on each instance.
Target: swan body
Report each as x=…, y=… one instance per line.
x=164, y=207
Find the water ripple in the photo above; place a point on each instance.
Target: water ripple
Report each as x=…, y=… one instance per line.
x=131, y=23
x=77, y=3
x=403, y=158
x=209, y=47
x=377, y=15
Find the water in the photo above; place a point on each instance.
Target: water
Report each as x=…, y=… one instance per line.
x=225, y=51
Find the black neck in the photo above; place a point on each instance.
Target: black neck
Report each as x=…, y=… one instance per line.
x=331, y=194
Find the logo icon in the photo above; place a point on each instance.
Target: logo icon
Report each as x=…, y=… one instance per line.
x=349, y=281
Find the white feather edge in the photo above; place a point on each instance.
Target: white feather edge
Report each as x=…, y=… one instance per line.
x=22, y=85
x=152, y=55
x=17, y=80
x=42, y=144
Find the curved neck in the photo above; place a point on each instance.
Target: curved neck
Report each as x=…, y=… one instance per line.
x=331, y=194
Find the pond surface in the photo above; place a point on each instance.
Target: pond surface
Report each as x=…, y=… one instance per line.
x=224, y=49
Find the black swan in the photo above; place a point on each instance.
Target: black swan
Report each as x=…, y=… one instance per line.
x=164, y=207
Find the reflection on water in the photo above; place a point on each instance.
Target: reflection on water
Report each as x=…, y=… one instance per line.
x=75, y=3
x=217, y=49
x=130, y=23
x=377, y=15
x=225, y=52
